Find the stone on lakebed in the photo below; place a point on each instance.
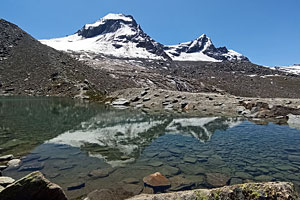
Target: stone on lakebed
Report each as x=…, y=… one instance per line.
x=156, y=180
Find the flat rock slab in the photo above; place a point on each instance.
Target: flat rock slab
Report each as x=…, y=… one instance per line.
x=247, y=191
x=179, y=183
x=103, y=194
x=133, y=188
x=216, y=179
x=6, y=157
x=131, y=181
x=32, y=167
x=2, y=167
x=101, y=173
x=155, y=163
x=29, y=158
x=76, y=186
x=4, y=181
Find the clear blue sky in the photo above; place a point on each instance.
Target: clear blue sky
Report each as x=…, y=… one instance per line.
x=266, y=31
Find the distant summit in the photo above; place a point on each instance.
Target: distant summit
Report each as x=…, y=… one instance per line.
x=119, y=35
x=202, y=48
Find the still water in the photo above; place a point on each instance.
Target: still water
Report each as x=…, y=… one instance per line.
x=83, y=147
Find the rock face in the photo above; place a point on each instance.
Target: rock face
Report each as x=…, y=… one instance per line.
x=248, y=191
x=33, y=186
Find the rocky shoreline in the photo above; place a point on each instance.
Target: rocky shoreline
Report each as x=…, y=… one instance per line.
x=36, y=186
x=258, y=110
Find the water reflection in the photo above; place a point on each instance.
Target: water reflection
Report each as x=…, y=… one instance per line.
x=107, y=148
x=120, y=136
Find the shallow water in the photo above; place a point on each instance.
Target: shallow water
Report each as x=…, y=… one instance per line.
x=68, y=141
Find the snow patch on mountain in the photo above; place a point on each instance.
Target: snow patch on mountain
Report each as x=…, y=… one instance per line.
x=294, y=69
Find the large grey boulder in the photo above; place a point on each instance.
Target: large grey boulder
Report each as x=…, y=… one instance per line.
x=247, y=191
x=33, y=186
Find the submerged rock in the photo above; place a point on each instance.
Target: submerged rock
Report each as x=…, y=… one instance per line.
x=32, y=167
x=180, y=182
x=33, y=186
x=156, y=180
x=101, y=173
x=216, y=179
x=103, y=194
x=76, y=186
x=247, y=191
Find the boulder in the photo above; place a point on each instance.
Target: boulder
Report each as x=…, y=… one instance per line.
x=156, y=180
x=33, y=186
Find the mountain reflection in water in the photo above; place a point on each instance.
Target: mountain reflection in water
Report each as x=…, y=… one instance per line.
x=120, y=136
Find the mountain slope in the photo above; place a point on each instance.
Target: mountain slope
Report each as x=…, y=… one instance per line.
x=30, y=68
x=119, y=35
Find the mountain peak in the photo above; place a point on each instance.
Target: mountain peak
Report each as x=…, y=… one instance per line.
x=112, y=16
x=119, y=35
x=108, y=24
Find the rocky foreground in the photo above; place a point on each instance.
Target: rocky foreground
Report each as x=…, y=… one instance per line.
x=269, y=190
x=36, y=186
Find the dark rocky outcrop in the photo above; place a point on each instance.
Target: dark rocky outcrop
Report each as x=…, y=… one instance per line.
x=33, y=186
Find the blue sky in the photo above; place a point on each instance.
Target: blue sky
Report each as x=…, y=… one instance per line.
x=266, y=31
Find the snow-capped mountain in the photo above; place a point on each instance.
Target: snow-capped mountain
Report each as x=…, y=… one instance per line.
x=202, y=49
x=119, y=35
x=116, y=35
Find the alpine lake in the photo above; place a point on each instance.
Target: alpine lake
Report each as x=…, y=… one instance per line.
x=85, y=146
